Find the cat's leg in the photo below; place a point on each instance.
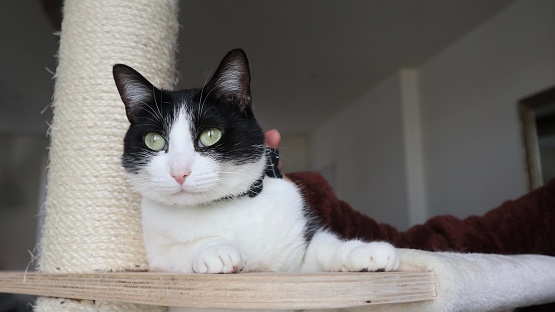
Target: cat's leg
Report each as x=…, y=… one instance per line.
x=207, y=255
x=326, y=252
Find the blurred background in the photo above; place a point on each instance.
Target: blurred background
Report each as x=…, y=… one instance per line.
x=409, y=108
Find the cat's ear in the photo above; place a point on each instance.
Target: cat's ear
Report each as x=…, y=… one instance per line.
x=135, y=90
x=231, y=81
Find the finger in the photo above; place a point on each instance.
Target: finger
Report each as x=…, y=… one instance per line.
x=273, y=138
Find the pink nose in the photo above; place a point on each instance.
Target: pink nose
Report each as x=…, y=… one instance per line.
x=180, y=175
x=180, y=178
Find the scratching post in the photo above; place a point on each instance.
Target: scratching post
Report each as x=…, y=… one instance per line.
x=92, y=221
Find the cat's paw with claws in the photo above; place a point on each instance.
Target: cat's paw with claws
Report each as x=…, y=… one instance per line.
x=372, y=257
x=222, y=258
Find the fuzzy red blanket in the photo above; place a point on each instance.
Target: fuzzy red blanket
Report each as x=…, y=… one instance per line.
x=522, y=226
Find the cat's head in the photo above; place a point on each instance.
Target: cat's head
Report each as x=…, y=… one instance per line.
x=196, y=146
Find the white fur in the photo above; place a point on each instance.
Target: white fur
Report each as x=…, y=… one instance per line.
x=136, y=91
x=186, y=230
x=264, y=232
x=230, y=79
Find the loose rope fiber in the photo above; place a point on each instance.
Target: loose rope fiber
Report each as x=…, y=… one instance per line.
x=92, y=221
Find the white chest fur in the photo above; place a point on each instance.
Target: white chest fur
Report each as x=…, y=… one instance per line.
x=268, y=229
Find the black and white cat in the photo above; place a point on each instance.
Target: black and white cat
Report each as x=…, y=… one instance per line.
x=198, y=159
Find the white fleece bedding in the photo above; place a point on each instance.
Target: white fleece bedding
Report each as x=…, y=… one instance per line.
x=479, y=282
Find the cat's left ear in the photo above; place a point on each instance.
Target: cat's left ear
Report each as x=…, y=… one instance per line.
x=135, y=90
x=231, y=81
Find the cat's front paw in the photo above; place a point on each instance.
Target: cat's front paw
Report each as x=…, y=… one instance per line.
x=376, y=256
x=222, y=258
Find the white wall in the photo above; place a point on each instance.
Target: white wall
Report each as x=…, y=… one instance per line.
x=294, y=153
x=461, y=107
x=469, y=94
x=365, y=144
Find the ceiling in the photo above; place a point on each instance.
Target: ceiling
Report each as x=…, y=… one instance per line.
x=309, y=59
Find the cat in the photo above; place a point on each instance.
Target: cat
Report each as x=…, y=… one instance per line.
x=212, y=201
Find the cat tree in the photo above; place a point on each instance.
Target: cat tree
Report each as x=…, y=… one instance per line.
x=91, y=251
x=91, y=222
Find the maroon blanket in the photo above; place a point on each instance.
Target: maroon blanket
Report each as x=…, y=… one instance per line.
x=522, y=226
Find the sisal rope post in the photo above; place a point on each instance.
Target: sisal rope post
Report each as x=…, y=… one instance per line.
x=92, y=221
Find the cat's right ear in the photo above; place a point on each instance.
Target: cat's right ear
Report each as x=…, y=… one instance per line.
x=135, y=90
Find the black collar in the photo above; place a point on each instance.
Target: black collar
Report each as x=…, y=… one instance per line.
x=256, y=188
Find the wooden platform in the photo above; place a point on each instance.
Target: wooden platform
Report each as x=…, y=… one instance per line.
x=229, y=291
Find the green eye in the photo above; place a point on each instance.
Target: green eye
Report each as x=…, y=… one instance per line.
x=155, y=142
x=209, y=137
